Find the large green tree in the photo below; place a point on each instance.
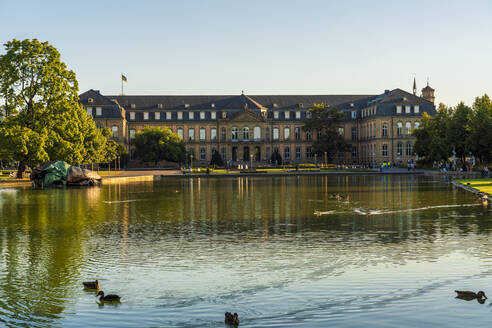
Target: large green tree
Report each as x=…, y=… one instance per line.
x=42, y=119
x=158, y=144
x=480, y=129
x=327, y=120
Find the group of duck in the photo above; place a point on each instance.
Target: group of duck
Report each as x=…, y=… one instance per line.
x=230, y=319
x=94, y=286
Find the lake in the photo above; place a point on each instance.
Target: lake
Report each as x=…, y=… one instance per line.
x=181, y=252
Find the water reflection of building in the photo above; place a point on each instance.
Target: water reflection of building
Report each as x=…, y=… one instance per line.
x=250, y=128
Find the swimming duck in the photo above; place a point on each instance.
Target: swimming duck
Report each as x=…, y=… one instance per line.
x=91, y=285
x=468, y=295
x=108, y=298
x=231, y=319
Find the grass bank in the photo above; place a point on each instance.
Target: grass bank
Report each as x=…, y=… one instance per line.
x=481, y=185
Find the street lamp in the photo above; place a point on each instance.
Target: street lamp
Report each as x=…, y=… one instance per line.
x=251, y=166
x=191, y=161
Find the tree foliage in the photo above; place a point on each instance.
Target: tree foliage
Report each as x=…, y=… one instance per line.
x=327, y=121
x=216, y=159
x=276, y=158
x=158, y=144
x=42, y=119
x=461, y=129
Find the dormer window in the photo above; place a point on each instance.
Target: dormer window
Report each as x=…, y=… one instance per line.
x=168, y=115
x=157, y=116
x=180, y=115
x=159, y=105
x=275, y=114
x=213, y=115
x=186, y=105
x=407, y=109
x=398, y=109
x=191, y=116
x=224, y=114
x=132, y=116
x=89, y=111
x=351, y=104
x=301, y=105
x=416, y=109
x=98, y=111
x=287, y=115
x=354, y=114
x=298, y=115
x=146, y=115
x=202, y=115
x=133, y=106
x=275, y=105
x=90, y=100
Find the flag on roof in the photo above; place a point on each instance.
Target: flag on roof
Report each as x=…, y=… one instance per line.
x=123, y=78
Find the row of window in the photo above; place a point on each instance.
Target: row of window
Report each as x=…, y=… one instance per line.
x=285, y=153
x=408, y=109
x=201, y=115
x=98, y=111
x=369, y=130
x=235, y=134
x=369, y=150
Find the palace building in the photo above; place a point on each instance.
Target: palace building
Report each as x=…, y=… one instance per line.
x=246, y=128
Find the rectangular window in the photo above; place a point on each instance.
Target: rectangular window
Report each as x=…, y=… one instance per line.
x=98, y=111
x=298, y=152
x=354, y=152
x=157, y=116
x=275, y=133
x=191, y=115
x=287, y=115
x=180, y=115
x=354, y=114
x=399, y=127
x=180, y=133
x=146, y=115
x=213, y=134
x=286, y=133
x=385, y=150
x=224, y=158
x=202, y=115
x=267, y=153
x=275, y=115
x=407, y=109
x=308, y=114
x=213, y=115
x=398, y=109
x=89, y=111
x=308, y=153
x=114, y=131
x=298, y=115
x=408, y=128
x=287, y=153
x=168, y=115
x=297, y=133
x=416, y=109
x=384, y=131
x=191, y=134
x=132, y=116
x=354, y=133
x=203, y=154
x=202, y=134
x=132, y=134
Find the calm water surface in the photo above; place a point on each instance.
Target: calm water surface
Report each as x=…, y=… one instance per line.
x=182, y=252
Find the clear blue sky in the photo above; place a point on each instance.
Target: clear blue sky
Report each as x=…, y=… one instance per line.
x=265, y=47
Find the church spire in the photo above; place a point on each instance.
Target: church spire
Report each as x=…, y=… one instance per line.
x=414, y=87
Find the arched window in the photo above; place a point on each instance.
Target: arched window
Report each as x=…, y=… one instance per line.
x=286, y=133
x=308, y=135
x=408, y=127
x=275, y=133
x=384, y=130
x=245, y=133
x=399, y=128
x=114, y=131
x=409, y=149
x=234, y=133
x=257, y=133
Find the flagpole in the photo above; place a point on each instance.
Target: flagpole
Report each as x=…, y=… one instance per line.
x=122, y=84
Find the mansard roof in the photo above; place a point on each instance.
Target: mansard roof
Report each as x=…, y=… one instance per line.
x=111, y=108
x=259, y=102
